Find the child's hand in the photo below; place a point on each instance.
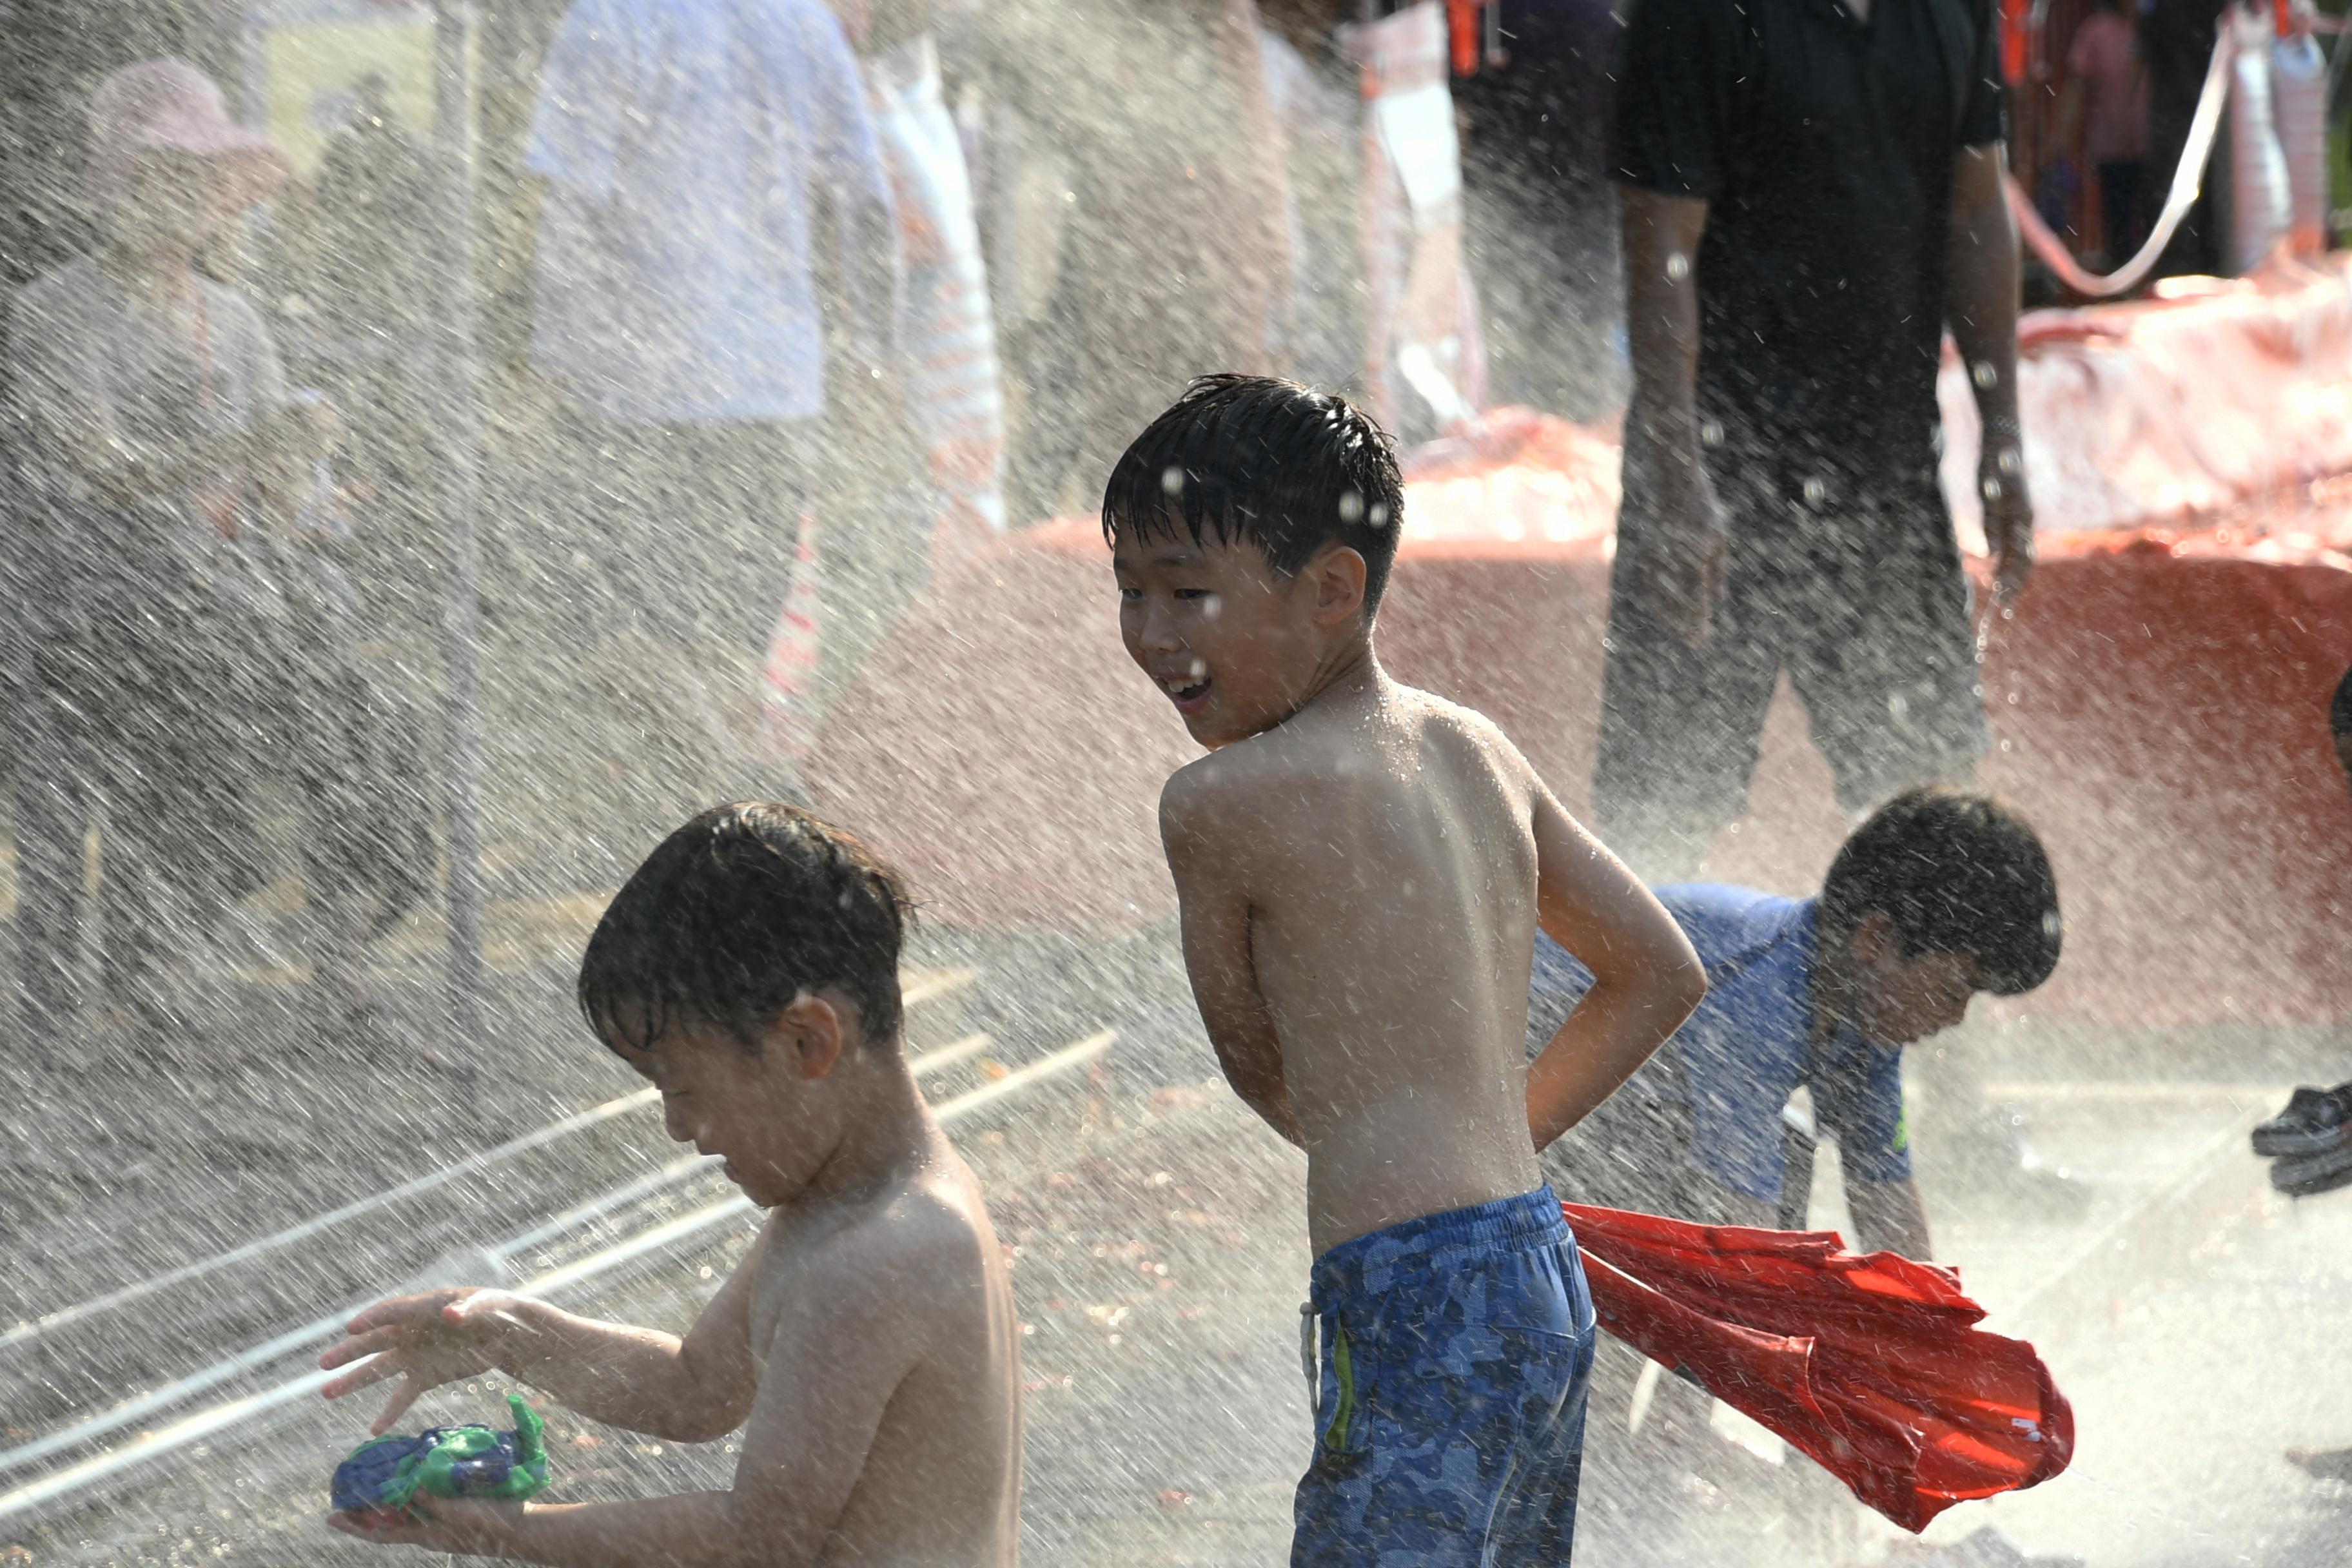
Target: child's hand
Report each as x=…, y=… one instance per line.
x=468, y=1527
x=426, y=1340
x=2008, y=519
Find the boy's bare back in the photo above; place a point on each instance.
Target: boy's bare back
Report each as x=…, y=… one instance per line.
x=1359, y=896
x=1362, y=869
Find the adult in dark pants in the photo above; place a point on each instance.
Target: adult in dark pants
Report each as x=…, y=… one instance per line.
x=2105, y=98
x=719, y=357
x=1810, y=191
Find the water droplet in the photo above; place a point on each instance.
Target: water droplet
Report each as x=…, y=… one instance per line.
x=2010, y=461
x=1352, y=508
x=1983, y=374
x=1380, y=514
x=1172, y=480
x=1991, y=487
x=1814, y=491
x=1711, y=433
x=1677, y=267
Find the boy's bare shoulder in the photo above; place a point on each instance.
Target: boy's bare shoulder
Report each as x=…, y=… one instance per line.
x=1226, y=789
x=1242, y=788
x=888, y=1260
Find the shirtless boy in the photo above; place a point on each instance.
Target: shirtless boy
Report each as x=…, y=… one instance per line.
x=866, y=1347
x=1362, y=869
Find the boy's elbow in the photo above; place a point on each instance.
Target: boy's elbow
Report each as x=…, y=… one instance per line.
x=702, y=1427
x=704, y=1417
x=1685, y=987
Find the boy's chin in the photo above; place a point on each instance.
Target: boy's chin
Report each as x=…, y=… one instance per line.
x=1212, y=732
x=1219, y=724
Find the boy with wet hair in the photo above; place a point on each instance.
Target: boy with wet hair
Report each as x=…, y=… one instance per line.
x=1940, y=894
x=866, y=1346
x=1362, y=869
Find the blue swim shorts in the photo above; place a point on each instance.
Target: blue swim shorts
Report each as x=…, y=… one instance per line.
x=1449, y=1392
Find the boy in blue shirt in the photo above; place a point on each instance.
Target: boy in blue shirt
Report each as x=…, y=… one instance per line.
x=1942, y=893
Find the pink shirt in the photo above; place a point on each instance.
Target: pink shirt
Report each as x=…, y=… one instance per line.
x=2105, y=55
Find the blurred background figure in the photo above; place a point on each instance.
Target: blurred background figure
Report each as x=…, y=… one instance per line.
x=364, y=293
x=2106, y=98
x=722, y=361
x=1424, y=347
x=1542, y=214
x=2177, y=38
x=1133, y=183
x=1316, y=333
x=954, y=384
x=179, y=634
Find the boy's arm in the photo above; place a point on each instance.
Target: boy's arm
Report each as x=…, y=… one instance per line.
x=847, y=1336
x=688, y=1390
x=1645, y=976
x=1207, y=867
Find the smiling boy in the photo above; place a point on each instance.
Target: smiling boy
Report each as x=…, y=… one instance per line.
x=1362, y=869
x=866, y=1346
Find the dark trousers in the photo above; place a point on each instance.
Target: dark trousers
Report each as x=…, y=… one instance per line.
x=693, y=528
x=2121, y=198
x=1856, y=592
x=141, y=731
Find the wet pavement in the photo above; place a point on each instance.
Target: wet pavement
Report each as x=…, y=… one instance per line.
x=2194, y=1320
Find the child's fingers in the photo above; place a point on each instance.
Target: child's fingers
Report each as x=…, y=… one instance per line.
x=396, y=1310
x=385, y=1533
x=405, y=1395
x=351, y=1349
x=364, y=1376
x=422, y=1310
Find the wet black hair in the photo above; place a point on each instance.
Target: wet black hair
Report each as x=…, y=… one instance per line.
x=2339, y=710
x=1253, y=457
x=733, y=916
x=1954, y=872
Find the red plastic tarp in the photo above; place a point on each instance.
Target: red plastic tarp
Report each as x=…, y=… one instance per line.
x=1872, y=1365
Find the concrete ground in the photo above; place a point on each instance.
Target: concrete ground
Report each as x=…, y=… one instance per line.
x=2196, y=1323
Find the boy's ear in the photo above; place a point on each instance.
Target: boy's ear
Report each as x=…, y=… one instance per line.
x=809, y=1033
x=1874, y=940
x=1336, y=575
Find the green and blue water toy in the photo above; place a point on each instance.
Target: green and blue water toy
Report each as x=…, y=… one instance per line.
x=380, y=1476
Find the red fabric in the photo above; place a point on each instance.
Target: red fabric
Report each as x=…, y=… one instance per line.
x=1873, y=1365
x=1462, y=35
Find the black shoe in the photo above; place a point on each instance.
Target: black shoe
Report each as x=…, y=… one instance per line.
x=2303, y=1176
x=2314, y=1120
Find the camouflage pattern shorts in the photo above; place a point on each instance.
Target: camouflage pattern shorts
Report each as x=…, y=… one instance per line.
x=1449, y=1392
